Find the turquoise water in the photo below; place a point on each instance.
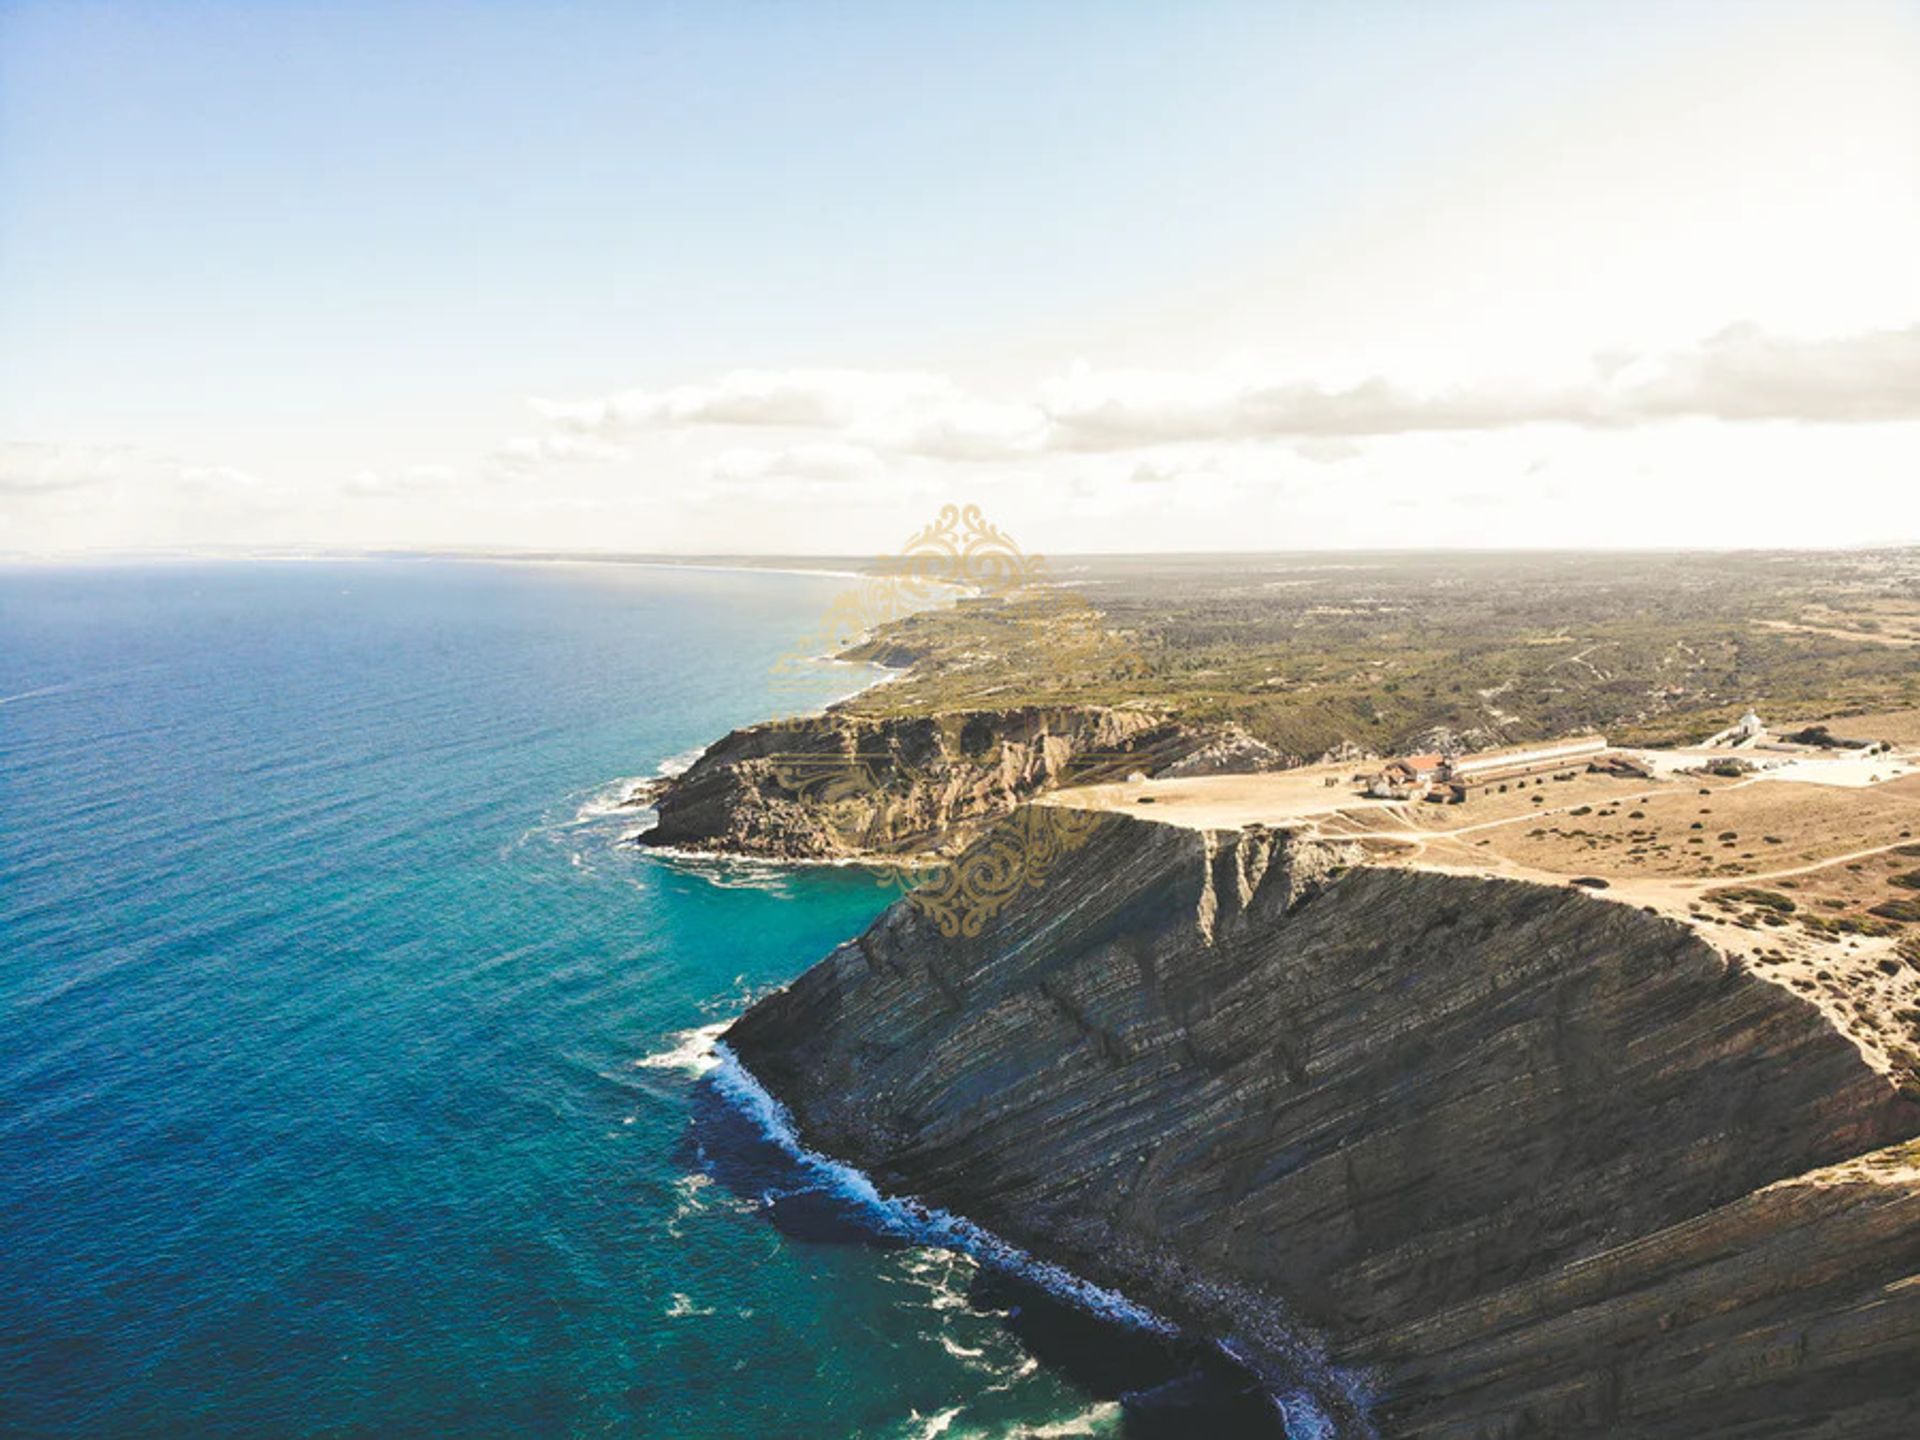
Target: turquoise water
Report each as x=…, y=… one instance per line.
x=352, y=1079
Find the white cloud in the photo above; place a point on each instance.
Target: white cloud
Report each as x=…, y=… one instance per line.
x=863, y=417
x=800, y=399
x=964, y=429
x=523, y=453
x=30, y=468
x=1744, y=374
x=217, y=480
x=829, y=463
x=1327, y=450
x=408, y=480
x=1740, y=374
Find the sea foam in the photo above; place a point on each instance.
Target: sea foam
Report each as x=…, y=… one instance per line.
x=905, y=1218
x=910, y=1220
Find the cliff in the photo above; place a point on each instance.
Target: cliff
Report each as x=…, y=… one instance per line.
x=1463, y=1157
x=844, y=785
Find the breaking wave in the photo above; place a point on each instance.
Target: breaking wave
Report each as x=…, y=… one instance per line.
x=910, y=1222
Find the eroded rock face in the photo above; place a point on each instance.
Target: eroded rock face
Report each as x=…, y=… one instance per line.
x=1504, y=1148
x=1232, y=751
x=839, y=785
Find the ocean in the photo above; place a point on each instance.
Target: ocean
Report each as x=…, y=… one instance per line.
x=355, y=1079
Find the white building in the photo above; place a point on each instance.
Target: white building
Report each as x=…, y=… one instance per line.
x=1474, y=767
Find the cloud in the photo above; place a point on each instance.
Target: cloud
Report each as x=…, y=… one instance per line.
x=1118, y=410
x=522, y=454
x=800, y=399
x=842, y=425
x=1744, y=374
x=216, y=480
x=962, y=429
x=1327, y=449
x=1739, y=375
x=1188, y=467
x=31, y=468
x=830, y=464
x=409, y=480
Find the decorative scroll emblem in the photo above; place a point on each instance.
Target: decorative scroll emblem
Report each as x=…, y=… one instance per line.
x=854, y=787
x=958, y=550
x=1021, y=850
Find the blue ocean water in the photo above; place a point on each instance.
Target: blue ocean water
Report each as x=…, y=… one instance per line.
x=352, y=1073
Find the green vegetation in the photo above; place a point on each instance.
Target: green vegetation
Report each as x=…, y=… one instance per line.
x=1848, y=925
x=1734, y=895
x=1391, y=652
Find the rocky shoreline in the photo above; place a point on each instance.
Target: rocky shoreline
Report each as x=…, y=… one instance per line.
x=842, y=786
x=1462, y=1156
x=1449, y=1156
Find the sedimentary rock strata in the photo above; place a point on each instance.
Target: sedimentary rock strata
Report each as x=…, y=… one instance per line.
x=1468, y=1157
x=840, y=785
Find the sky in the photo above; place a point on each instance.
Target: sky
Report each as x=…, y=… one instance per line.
x=786, y=277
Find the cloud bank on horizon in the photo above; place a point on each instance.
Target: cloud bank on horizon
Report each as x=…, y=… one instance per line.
x=1518, y=279
x=1740, y=374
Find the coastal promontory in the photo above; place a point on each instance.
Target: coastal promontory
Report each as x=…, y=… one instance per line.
x=1458, y=1155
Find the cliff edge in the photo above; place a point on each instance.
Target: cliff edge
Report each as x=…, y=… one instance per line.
x=847, y=786
x=1463, y=1156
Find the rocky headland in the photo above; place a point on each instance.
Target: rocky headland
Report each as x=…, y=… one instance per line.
x=1462, y=1156
x=848, y=786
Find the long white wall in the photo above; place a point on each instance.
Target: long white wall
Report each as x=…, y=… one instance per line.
x=1479, y=764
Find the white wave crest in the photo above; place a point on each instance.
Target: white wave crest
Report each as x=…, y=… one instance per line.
x=694, y=1052
x=936, y=1424
x=1094, y=1420
x=609, y=799
x=679, y=764
x=911, y=1220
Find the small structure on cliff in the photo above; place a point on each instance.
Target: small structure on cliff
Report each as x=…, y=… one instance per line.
x=1455, y=778
x=1749, y=729
x=1407, y=777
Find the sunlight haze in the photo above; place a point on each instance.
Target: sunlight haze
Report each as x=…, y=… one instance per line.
x=773, y=278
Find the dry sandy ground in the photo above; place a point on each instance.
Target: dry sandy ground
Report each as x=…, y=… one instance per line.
x=1832, y=850
x=1900, y=727
x=1227, y=802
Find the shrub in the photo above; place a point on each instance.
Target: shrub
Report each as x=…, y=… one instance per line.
x=1748, y=895
x=1847, y=925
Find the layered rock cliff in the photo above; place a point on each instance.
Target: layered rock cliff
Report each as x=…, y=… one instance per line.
x=843, y=785
x=1465, y=1157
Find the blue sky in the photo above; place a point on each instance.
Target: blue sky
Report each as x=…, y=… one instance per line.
x=305, y=252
